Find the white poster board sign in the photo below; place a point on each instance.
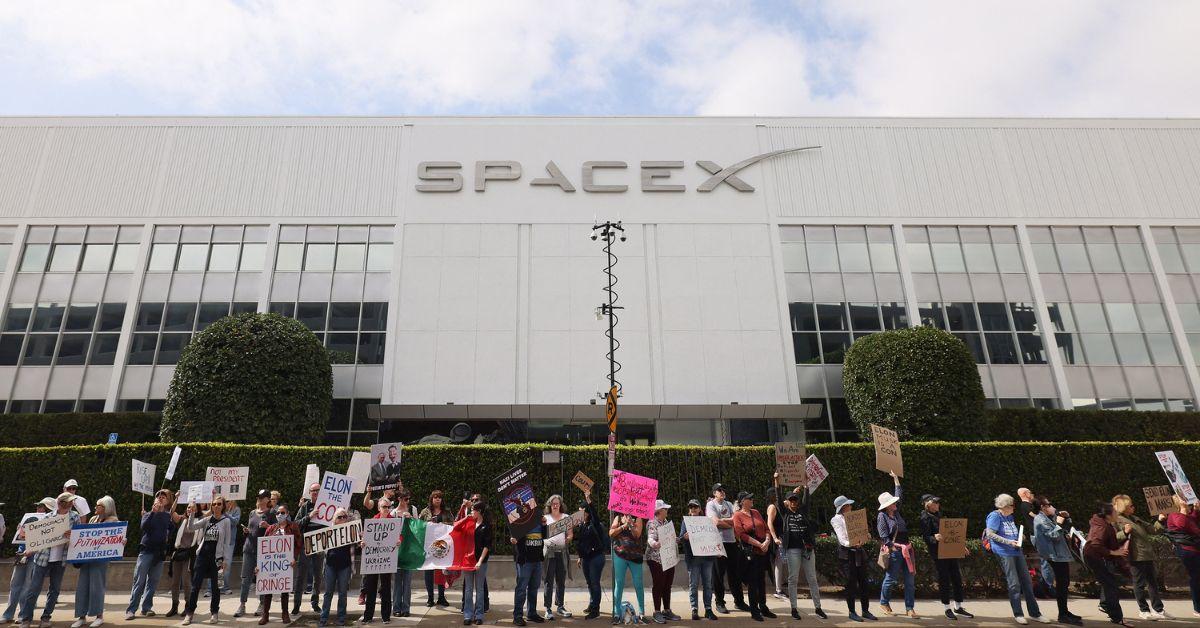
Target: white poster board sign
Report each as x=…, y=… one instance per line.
x=704, y=537
x=336, y=490
x=312, y=475
x=143, y=477
x=229, y=482
x=26, y=518
x=195, y=492
x=97, y=542
x=816, y=473
x=668, y=545
x=359, y=470
x=1175, y=475
x=275, y=557
x=47, y=532
x=330, y=537
x=174, y=463
x=380, y=537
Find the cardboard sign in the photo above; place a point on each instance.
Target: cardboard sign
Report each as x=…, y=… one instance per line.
x=47, y=532
x=312, y=475
x=1160, y=500
x=954, y=538
x=563, y=525
x=359, y=470
x=632, y=494
x=790, y=463
x=174, y=463
x=332, y=536
x=26, y=518
x=380, y=537
x=384, y=466
x=703, y=536
x=1175, y=475
x=887, y=450
x=143, y=477
x=816, y=473
x=856, y=527
x=275, y=556
x=517, y=501
x=582, y=482
x=97, y=542
x=197, y=492
x=336, y=490
x=229, y=482
x=668, y=548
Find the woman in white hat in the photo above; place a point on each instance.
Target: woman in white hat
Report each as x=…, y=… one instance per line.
x=660, y=579
x=93, y=577
x=853, y=560
x=901, y=562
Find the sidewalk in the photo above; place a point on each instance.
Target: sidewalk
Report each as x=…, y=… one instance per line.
x=990, y=612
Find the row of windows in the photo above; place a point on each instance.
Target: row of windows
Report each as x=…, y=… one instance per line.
x=54, y=333
x=334, y=257
x=92, y=258
x=822, y=331
x=973, y=257
x=340, y=316
x=186, y=316
x=165, y=257
x=1098, y=257
x=53, y=406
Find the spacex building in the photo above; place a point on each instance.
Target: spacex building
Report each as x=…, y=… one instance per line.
x=447, y=263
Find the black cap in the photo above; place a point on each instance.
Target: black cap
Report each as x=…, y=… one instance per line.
x=695, y=502
x=718, y=487
x=793, y=497
x=262, y=492
x=745, y=495
x=926, y=498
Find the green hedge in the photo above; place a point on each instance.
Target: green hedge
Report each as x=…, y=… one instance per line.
x=966, y=475
x=78, y=428
x=1027, y=424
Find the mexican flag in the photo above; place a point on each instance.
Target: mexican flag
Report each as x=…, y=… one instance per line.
x=427, y=546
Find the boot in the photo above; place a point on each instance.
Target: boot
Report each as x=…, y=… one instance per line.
x=174, y=608
x=287, y=618
x=266, y=612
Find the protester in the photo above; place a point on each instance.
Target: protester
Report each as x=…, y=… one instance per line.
x=1026, y=511
x=182, y=560
x=464, y=510
x=794, y=532
x=47, y=565
x=1138, y=531
x=93, y=576
x=378, y=586
x=1183, y=528
x=660, y=579
x=750, y=529
x=853, y=561
x=435, y=512
x=475, y=582
x=156, y=535
x=948, y=573
x=628, y=551
x=283, y=526
x=527, y=557
x=776, y=557
x=727, y=566
x=901, y=561
x=310, y=566
x=80, y=504
x=1101, y=548
x=337, y=575
x=700, y=568
x=591, y=545
x=214, y=529
x=256, y=524
x=555, y=569
x=20, y=571
x=1003, y=535
x=402, y=579
x=1050, y=537
x=234, y=513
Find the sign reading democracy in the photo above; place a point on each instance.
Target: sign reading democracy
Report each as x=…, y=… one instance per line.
x=1160, y=500
x=276, y=555
x=703, y=536
x=97, y=542
x=954, y=539
x=333, y=536
x=19, y=535
x=50, y=531
x=1176, y=476
x=887, y=450
x=229, y=482
x=336, y=490
x=632, y=494
x=789, y=462
x=143, y=477
x=816, y=473
x=668, y=545
x=380, y=538
x=518, y=502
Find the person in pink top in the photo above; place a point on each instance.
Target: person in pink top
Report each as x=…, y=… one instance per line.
x=1184, y=529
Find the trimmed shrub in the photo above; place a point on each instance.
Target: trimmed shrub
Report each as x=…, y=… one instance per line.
x=921, y=382
x=78, y=428
x=252, y=378
x=1028, y=424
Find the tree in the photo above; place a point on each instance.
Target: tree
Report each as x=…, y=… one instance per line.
x=252, y=378
x=921, y=382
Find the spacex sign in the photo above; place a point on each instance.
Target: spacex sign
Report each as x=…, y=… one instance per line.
x=594, y=176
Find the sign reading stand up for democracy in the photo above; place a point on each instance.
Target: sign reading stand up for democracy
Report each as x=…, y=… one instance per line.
x=380, y=538
x=632, y=494
x=887, y=450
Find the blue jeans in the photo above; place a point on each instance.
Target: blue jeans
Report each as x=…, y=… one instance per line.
x=529, y=575
x=145, y=580
x=1047, y=571
x=1016, y=572
x=20, y=571
x=249, y=562
x=402, y=592
x=592, y=569
x=896, y=569
x=474, y=585
x=33, y=586
x=89, y=591
x=700, y=579
x=336, y=580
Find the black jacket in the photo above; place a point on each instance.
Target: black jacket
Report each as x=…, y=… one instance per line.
x=591, y=538
x=931, y=524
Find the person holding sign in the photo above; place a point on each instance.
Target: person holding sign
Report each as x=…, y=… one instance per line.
x=1099, y=554
x=93, y=576
x=660, y=579
x=628, y=550
x=750, y=529
x=1183, y=528
x=313, y=565
x=156, y=535
x=700, y=568
x=21, y=567
x=528, y=554
x=896, y=553
x=283, y=526
x=795, y=532
x=378, y=585
x=214, y=529
x=48, y=564
x=947, y=568
x=257, y=523
x=337, y=574
x=555, y=574
x=1003, y=535
x=1050, y=537
x=1138, y=532
x=435, y=512
x=179, y=565
x=852, y=558
x=726, y=567
x=591, y=546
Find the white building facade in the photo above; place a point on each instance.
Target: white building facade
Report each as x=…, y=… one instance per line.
x=447, y=263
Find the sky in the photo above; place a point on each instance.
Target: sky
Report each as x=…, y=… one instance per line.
x=1063, y=58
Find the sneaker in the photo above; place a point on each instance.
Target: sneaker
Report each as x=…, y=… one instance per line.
x=721, y=608
x=96, y=624
x=441, y=601
x=548, y=615
x=658, y=618
x=364, y=621
x=519, y=621
x=535, y=619
x=78, y=623
x=241, y=610
x=1163, y=614
x=44, y=622
x=428, y=603
x=869, y=616
x=695, y=615
x=129, y=616
x=669, y=614
x=592, y=614
x=616, y=621
x=562, y=612
x=708, y=614
x=1145, y=615
x=478, y=621
x=950, y=615
x=308, y=590
x=466, y=622
x=258, y=611
x=212, y=619
x=226, y=591
x=795, y=614
x=208, y=592
x=755, y=616
x=962, y=611
x=1021, y=620
x=780, y=596
x=1067, y=619
x=741, y=606
x=187, y=620
x=820, y=613
x=854, y=617
x=1042, y=618
x=25, y=624
x=766, y=612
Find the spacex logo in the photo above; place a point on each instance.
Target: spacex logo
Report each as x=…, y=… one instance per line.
x=446, y=176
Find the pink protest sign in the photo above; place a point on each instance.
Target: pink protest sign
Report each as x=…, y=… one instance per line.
x=632, y=494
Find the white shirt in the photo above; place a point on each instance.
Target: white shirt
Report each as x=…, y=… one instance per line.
x=839, y=528
x=721, y=510
x=558, y=541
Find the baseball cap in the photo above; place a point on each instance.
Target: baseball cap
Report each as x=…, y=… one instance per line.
x=70, y=484
x=695, y=502
x=718, y=487
x=262, y=493
x=48, y=503
x=661, y=505
x=745, y=495
x=926, y=498
x=795, y=497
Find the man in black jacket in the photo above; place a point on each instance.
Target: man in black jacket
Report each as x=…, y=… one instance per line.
x=308, y=564
x=947, y=568
x=591, y=544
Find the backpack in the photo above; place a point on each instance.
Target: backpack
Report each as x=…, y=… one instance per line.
x=628, y=616
x=1178, y=537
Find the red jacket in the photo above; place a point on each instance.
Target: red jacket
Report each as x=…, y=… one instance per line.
x=289, y=528
x=1101, y=539
x=1189, y=523
x=746, y=526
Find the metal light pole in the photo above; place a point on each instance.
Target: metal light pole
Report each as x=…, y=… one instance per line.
x=610, y=231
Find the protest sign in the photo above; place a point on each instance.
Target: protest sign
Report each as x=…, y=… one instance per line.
x=332, y=536
x=816, y=473
x=143, y=477
x=582, y=482
x=276, y=553
x=632, y=494
x=1159, y=499
x=174, y=463
x=562, y=525
x=517, y=501
x=887, y=450
x=359, y=470
x=703, y=536
x=954, y=538
x=1176, y=476
x=385, y=466
x=97, y=542
x=335, y=493
x=790, y=463
x=229, y=482
x=856, y=527
x=25, y=518
x=380, y=537
x=668, y=548
x=312, y=475
x=46, y=532
x=197, y=492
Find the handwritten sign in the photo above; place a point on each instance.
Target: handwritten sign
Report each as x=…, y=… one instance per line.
x=856, y=527
x=143, y=477
x=19, y=535
x=887, y=450
x=1160, y=500
x=197, y=492
x=1175, y=475
x=562, y=525
x=582, y=482
x=275, y=556
x=954, y=538
x=518, y=502
x=174, y=463
x=332, y=536
x=668, y=549
x=789, y=462
x=632, y=494
x=359, y=470
x=97, y=542
x=229, y=482
x=336, y=490
x=380, y=537
x=703, y=536
x=816, y=473
x=47, y=532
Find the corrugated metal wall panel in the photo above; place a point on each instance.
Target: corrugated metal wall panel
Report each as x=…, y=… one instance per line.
x=851, y=175
x=1069, y=173
x=99, y=171
x=20, y=151
x=949, y=172
x=1165, y=166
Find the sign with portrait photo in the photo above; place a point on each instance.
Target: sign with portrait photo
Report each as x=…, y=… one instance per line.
x=518, y=502
x=1175, y=475
x=385, y=466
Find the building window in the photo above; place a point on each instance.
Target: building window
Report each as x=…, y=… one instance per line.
x=352, y=332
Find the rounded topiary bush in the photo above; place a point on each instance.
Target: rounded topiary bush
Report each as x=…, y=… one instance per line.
x=921, y=382
x=252, y=378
